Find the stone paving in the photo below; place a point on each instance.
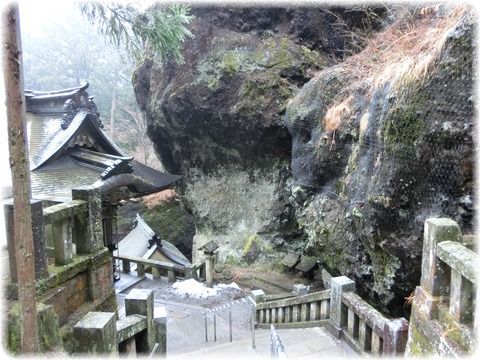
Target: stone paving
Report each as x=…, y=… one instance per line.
x=186, y=331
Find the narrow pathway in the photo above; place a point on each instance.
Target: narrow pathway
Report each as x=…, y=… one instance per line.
x=186, y=332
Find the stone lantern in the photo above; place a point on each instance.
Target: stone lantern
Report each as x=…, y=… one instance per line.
x=209, y=249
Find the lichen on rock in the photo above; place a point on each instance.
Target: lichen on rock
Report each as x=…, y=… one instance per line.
x=338, y=157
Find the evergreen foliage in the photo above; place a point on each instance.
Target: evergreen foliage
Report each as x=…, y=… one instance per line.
x=157, y=29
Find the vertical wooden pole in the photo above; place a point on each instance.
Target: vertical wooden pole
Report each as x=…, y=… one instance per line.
x=22, y=233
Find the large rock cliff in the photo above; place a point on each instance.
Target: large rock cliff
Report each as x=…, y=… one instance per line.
x=286, y=143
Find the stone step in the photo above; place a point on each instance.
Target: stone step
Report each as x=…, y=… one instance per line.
x=312, y=343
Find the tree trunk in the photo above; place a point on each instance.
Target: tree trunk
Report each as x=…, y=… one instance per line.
x=22, y=233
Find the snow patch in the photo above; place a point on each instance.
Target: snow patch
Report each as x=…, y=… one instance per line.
x=193, y=288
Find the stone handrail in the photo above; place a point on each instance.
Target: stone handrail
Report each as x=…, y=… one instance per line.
x=61, y=228
x=369, y=331
x=157, y=266
x=143, y=329
x=312, y=308
x=58, y=227
x=462, y=263
x=63, y=211
x=343, y=313
x=443, y=319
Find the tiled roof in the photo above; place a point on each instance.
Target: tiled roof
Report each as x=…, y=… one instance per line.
x=136, y=244
x=68, y=152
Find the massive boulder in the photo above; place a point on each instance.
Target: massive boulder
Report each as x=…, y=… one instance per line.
x=218, y=119
x=285, y=146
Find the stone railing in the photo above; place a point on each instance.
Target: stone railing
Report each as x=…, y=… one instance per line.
x=443, y=320
x=143, y=331
x=343, y=313
x=461, y=262
x=305, y=309
x=362, y=326
x=158, y=267
x=73, y=270
x=61, y=231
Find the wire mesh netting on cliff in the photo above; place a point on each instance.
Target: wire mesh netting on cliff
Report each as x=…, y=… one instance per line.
x=388, y=133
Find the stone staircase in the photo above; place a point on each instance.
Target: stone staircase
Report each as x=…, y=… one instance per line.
x=310, y=343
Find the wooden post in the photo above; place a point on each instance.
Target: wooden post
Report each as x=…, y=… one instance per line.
x=16, y=120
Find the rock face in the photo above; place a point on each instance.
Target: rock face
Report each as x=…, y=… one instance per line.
x=283, y=148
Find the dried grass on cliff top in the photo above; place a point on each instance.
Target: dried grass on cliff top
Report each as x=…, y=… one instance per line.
x=404, y=52
x=407, y=50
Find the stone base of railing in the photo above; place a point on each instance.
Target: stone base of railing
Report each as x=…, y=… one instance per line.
x=297, y=325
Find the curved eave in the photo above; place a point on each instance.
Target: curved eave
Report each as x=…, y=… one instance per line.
x=134, y=183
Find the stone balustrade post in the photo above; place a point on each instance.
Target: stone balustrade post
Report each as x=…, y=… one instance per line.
x=38, y=235
x=209, y=269
x=160, y=320
x=91, y=225
x=156, y=272
x=126, y=266
x=435, y=281
x=395, y=337
x=339, y=285
x=96, y=334
x=62, y=240
x=140, y=301
x=172, y=277
x=258, y=296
